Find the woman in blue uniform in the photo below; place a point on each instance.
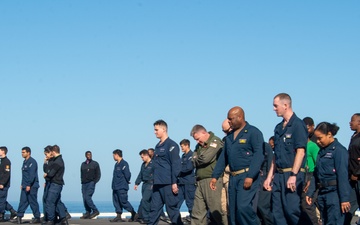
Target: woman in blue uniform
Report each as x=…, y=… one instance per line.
x=330, y=176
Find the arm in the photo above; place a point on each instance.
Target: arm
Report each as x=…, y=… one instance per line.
x=97, y=173
x=208, y=156
x=126, y=172
x=218, y=170
x=299, y=157
x=175, y=163
x=267, y=182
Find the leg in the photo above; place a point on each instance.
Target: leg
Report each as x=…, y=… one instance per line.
x=199, y=212
x=213, y=200
x=84, y=190
x=34, y=205
x=245, y=201
x=171, y=203
x=157, y=204
x=277, y=205
x=116, y=201
x=189, y=196
x=23, y=204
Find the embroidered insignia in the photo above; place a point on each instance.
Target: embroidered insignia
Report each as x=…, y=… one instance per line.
x=214, y=145
x=242, y=141
x=245, y=131
x=123, y=167
x=30, y=165
x=288, y=135
x=190, y=158
x=172, y=148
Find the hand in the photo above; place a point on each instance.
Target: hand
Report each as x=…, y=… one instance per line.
x=175, y=189
x=307, y=185
x=267, y=184
x=353, y=177
x=27, y=188
x=291, y=183
x=1, y=186
x=308, y=200
x=345, y=207
x=213, y=184
x=247, y=183
x=135, y=187
x=45, y=174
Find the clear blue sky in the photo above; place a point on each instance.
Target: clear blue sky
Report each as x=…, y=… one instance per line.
x=95, y=75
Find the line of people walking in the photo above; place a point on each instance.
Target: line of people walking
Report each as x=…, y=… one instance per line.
x=238, y=180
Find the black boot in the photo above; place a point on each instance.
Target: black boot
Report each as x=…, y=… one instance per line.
x=2, y=218
x=134, y=216
x=95, y=213
x=13, y=214
x=85, y=215
x=117, y=218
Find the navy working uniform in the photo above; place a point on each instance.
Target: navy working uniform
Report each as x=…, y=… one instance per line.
x=29, y=179
x=90, y=175
x=244, y=155
x=186, y=181
x=331, y=178
x=286, y=204
x=120, y=187
x=354, y=169
x=264, y=205
x=146, y=176
x=53, y=204
x=166, y=169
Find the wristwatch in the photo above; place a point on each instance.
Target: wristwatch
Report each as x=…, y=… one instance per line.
x=293, y=174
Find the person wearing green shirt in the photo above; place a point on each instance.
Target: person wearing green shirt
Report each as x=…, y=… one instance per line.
x=308, y=215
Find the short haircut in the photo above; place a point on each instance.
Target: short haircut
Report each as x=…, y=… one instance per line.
x=196, y=129
x=117, y=152
x=325, y=128
x=185, y=142
x=284, y=96
x=357, y=114
x=144, y=152
x=4, y=148
x=27, y=149
x=161, y=123
x=308, y=121
x=151, y=149
x=87, y=152
x=272, y=138
x=55, y=148
x=47, y=149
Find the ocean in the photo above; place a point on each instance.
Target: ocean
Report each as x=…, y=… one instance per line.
x=103, y=206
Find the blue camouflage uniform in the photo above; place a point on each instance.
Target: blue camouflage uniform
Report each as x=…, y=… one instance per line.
x=146, y=176
x=186, y=181
x=331, y=178
x=120, y=187
x=286, y=204
x=29, y=178
x=244, y=154
x=166, y=169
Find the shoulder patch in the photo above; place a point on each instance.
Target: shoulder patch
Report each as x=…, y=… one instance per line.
x=172, y=148
x=123, y=167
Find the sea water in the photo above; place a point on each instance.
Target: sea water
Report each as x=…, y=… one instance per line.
x=103, y=206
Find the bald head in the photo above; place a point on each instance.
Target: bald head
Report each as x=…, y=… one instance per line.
x=236, y=117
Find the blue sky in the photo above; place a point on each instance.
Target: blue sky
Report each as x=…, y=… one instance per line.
x=95, y=75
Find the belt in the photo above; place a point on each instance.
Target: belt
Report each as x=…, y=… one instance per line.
x=284, y=170
x=234, y=173
x=327, y=183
